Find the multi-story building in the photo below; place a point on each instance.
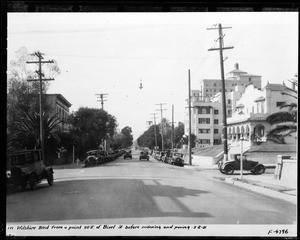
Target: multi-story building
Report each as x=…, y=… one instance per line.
x=248, y=122
x=60, y=106
x=207, y=110
x=236, y=77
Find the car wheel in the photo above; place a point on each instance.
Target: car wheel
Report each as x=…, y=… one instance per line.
x=229, y=170
x=259, y=169
x=32, y=182
x=50, y=179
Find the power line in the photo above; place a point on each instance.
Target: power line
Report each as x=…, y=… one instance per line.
x=220, y=49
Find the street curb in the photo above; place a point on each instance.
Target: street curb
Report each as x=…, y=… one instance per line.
x=262, y=190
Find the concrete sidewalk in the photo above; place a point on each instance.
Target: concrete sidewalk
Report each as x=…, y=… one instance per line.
x=264, y=184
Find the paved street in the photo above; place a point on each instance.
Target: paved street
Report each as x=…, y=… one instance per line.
x=142, y=192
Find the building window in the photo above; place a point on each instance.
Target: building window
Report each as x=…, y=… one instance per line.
x=220, y=90
x=229, y=101
x=216, y=121
x=214, y=90
x=229, y=112
x=215, y=84
x=216, y=141
x=249, y=79
x=206, y=90
x=216, y=131
x=204, y=141
x=202, y=130
x=207, y=110
x=231, y=90
x=278, y=104
x=216, y=112
x=204, y=120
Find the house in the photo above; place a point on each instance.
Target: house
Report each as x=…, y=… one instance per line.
x=60, y=106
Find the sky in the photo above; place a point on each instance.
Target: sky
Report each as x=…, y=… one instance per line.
x=111, y=53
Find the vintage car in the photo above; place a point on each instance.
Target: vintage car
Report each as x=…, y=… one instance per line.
x=144, y=155
x=234, y=163
x=160, y=156
x=91, y=158
x=176, y=159
x=127, y=155
x=27, y=168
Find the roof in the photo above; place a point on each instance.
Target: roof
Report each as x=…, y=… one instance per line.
x=240, y=105
x=61, y=98
x=276, y=87
x=237, y=71
x=261, y=98
x=250, y=75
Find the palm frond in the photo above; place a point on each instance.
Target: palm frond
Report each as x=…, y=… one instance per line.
x=280, y=117
x=289, y=105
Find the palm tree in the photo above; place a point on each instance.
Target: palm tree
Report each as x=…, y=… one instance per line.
x=25, y=135
x=286, y=120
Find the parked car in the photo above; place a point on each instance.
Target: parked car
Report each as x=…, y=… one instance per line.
x=91, y=158
x=127, y=155
x=176, y=159
x=161, y=156
x=27, y=168
x=234, y=163
x=144, y=155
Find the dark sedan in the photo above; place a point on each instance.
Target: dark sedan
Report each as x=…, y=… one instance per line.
x=235, y=164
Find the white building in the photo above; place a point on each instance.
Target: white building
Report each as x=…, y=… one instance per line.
x=248, y=121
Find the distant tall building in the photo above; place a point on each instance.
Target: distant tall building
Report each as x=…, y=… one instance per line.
x=247, y=107
x=207, y=111
x=236, y=77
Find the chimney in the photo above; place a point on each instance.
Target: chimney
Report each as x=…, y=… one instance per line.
x=237, y=66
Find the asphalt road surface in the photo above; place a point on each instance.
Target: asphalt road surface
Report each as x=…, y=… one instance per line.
x=143, y=192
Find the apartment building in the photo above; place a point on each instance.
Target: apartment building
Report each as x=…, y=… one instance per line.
x=207, y=110
x=58, y=105
x=236, y=77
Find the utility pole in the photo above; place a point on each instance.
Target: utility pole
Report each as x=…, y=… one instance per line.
x=154, y=117
x=190, y=121
x=41, y=75
x=161, y=124
x=172, y=132
x=221, y=48
x=101, y=95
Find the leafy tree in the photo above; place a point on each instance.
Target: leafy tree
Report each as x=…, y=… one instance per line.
x=178, y=134
x=118, y=141
x=286, y=120
x=128, y=138
x=91, y=126
x=147, y=139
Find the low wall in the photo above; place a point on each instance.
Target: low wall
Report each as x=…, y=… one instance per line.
x=200, y=160
x=286, y=170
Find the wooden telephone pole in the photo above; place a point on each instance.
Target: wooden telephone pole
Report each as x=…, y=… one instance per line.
x=40, y=79
x=101, y=95
x=220, y=49
x=154, y=117
x=161, y=124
